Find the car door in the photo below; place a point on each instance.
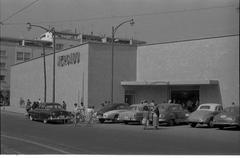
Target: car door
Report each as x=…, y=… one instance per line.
x=35, y=113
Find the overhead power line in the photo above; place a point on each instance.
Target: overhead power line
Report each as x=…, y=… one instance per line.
x=19, y=11
x=124, y=16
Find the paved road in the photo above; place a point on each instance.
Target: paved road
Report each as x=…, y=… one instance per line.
x=22, y=136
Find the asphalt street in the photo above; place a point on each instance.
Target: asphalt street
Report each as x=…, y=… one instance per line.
x=22, y=136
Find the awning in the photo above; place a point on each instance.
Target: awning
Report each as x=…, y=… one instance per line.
x=173, y=83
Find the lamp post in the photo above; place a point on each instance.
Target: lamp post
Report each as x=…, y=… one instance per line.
x=114, y=29
x=52, y=30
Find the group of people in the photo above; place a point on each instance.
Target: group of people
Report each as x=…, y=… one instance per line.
x=33, y=105
x=83, y=114
x=151, y=113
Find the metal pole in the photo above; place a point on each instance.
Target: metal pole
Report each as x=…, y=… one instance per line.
x=44, y=71
x=54, y=53
x=113, y=31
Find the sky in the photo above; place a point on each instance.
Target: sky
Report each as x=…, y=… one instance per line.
x=156, y=21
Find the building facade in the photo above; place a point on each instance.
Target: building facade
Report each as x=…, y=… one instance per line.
x=197, y=71
x=15, y=50
x=186, y=72
x=83, y=74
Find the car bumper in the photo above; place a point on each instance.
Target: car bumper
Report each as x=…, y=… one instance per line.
x=59, y=118
x=162, y=120
x=225, y=124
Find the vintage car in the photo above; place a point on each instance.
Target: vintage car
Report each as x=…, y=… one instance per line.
x=133, y=114
x=204, y=114
x=113, y=114
x=110, y=107
x=172, y=114
x=48, y=112
x=227, y=118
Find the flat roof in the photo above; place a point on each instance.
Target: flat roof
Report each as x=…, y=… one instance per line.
x=173, y=83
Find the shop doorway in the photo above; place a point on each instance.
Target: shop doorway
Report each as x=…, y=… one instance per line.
x=189, y=99
x=130, y=99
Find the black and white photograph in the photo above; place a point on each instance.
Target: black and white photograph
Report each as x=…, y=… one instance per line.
x=119, y=78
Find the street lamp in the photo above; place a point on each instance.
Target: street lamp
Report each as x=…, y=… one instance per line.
x=52, y=30
x=114, y=29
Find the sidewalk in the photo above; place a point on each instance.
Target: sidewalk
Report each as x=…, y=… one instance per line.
x=13, y=109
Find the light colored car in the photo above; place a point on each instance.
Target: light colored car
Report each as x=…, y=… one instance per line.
x=133, y=114
x=113, y=114
x=229, y=117
x=204, y=114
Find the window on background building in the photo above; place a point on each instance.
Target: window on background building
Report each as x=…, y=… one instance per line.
x=2, y=77
x=20, y=56
x=2, y=65
x=3, y=53
x=59, y=46
x=27, y=56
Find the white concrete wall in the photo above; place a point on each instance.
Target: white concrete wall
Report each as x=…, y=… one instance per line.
x=27, y=79
x=207, y=59
x=100, y=71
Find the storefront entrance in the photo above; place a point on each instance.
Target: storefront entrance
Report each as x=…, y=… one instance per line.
x=130, y=99
x=188, y=98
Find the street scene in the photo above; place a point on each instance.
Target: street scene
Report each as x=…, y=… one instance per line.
x=22, y=136
x=106, y=77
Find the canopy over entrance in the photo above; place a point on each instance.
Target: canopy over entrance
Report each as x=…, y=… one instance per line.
x=172, y=83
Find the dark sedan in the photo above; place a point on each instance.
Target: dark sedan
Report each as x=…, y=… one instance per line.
x=229, y=117
x=50, y=112
x=172, y=114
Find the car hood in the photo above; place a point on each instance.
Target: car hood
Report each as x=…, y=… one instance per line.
x=200, y=114
x=115, y=111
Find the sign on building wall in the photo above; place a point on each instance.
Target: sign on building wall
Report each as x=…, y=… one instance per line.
x=66, y=60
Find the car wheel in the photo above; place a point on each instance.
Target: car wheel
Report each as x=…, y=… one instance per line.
x=126, y=122
x=30, y=118
x=193, y=124
x=210, y=124
x=44, y=121
x=101, y=120
x=171, y=122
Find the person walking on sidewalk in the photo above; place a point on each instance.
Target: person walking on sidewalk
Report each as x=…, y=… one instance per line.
x=156, y=117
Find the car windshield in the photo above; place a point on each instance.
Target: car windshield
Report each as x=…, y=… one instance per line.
x=53, y=107
x=122, y=107
x=204, y=107
x=162, y=107
x=135, y=107
x=231, y=109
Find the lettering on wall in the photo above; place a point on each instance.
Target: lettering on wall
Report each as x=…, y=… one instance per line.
x=66, y=60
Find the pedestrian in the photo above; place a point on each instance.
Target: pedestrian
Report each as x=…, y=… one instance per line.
x=28, y=106
x=75, y=113
x=39, y=101
x=156, y=117
x=64, y=105
x=145, y=117
x=152, y=103
x=90, y=113
x=233, y=103
x=82, y=112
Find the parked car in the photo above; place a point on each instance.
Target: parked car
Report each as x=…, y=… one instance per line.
x=133, y=114
x=204, y=114
x=172, y=114
x=113, y=114
x=227, y=118
x=110, y=107
x=47, y=112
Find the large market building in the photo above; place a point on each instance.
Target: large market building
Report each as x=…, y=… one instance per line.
x=201, y=70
